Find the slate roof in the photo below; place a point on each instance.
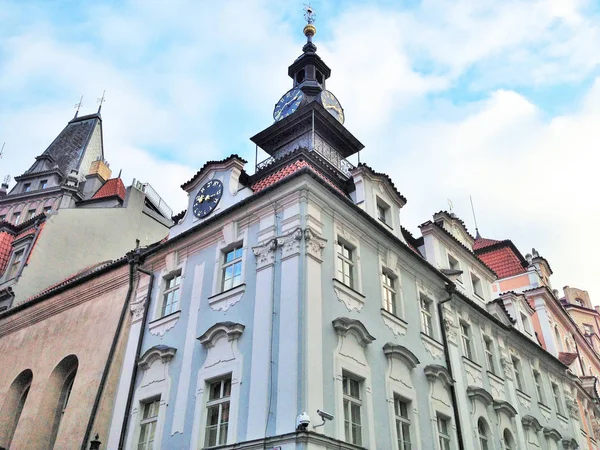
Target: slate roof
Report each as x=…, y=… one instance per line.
x=286, y=171
x=187, y=184
x=113, y=187
x=68, y=147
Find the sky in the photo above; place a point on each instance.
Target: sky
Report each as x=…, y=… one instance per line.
x=499, y=101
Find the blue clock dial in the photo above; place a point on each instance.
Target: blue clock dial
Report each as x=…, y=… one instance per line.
x=332, y=105
x=288, y=104
x=207, y=198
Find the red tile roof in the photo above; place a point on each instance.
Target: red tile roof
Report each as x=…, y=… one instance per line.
x=6, y=240
x=567, y=358
x=503, y=261
x=483, y=242
x=112, y=187
x=286, y=171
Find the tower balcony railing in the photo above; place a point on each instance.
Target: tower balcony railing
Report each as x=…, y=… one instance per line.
x=154, y=198
x=331, y=156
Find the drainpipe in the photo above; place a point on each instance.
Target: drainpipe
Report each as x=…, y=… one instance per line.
x=135, y=261
x=111, y=354
x=450, y=289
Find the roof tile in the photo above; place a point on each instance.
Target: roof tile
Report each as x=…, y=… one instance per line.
x=286, y=171
x=112, y=187
x=483, y=242
x=503, y=261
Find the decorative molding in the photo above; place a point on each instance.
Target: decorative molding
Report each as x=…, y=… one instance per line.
x=435, y=372
x=501, y=406
x=478, y=393
x=546, y=412
x=345, y=294
x=570, y=444
x=137, y=310
x=314, y=244
x=572, y=408
x=402, y=353
x=451, y=328
x=496, y=385
x=265, y=254
x=160, y=326
x=552, y=433
x=531, y=422
x=232, y=330
x=524, y=399
x=473, y=372
x=225, y=300
x=163, y=352
x=398, y=326
x=290, y=243
x=433, y=347
x=563, y=421
x=506, y=364
x=344, y=325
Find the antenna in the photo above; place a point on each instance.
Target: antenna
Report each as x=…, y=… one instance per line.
x=2, y=150
x=78, y=106
x=474, y=217
x=101, y=100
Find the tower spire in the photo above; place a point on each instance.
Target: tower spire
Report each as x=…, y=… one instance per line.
x=309, y=30
x=78, y=107
x=101, y=100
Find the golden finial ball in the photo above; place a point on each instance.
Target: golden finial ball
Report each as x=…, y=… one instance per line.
x=310, y=30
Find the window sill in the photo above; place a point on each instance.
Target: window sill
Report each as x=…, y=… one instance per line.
x=524, y=399
x=160, y=326
x=226, y=299
x=544, y=408
x=433, y=347
x=495, y=377
x=562, y=418
x=469, y=362
x=394, y=323
x=351, y=298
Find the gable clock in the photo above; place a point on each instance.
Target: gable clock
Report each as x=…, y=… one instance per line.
x=207, y=198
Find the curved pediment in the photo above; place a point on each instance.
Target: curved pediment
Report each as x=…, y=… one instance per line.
x=231, y=329
x=477, y=393
x=163, y=352
x=531, y=422
x=344, y=325
x=402, y=353
x=505, y=407
x=437, y=372
x=552, y=433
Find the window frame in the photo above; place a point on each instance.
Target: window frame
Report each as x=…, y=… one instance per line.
x=525, y=322
x=166, y=291
x=477, y=285
x=402, y=421
x=539, y=387
x=15, y=264
x=490, y=356
x=518, y=373
x=27, y=187
x=456, y=266
x=381, y=206
x=557, y=397
x=426, y=316
x=352, y=401
x=444, y=436
x=343, y=261
x=508, y=445
x=482, y=434
x=467, y=341
x=148, y=421
x=236, y=261
x=392, y=291
x=219, y=403
x=43, y=184
x=16, y=217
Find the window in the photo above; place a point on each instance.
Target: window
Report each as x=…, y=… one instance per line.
x=389, y=292
x=232, y=268
x=488, y=346
x=345, y=261
x=443, y=426
x=47, y=209
x=518, y=374
x=217, y=416
x=171, y=295
x=352, y=405
x=426, y=320
x=148, y=424
x=537, y=379
x=30, y=214
x=43, y=184
x=16, y=218
x=525, y=321
x=26, y=187
x=588, y=329
x=509, y=442
x=483, y=434
x=558, y=339
x=401, y=409
x=381, y=210
x=15, y=265
x=454, y=265
x=556, y=395
x=13, y=404
x=2, y=217
x=465, y=332
x=578, y=301
x=477, y=288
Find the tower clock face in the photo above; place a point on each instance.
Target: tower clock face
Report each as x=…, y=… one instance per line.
x=288, y=104
x=332, y=105
x=207, y=198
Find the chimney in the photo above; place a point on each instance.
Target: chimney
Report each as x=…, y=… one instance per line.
x=3, y=189
x=98, y=175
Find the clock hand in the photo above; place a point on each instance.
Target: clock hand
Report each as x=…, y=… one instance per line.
x=286, y=104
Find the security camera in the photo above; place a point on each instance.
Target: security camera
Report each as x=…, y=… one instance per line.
x=324, y=415
x=302, y=422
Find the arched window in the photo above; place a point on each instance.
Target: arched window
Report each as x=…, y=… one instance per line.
x=482, y=430
x=13, y=406
x=578, y=301
x=558, y=338
x=55, y=402
x=509, y=442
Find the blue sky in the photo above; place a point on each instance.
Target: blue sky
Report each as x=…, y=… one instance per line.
x=498, y=100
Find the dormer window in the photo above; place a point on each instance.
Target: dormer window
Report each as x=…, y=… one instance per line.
x=383, y=212
x=525, y=321
x=16, y=218
x=578, y=301
x=453, y=264
x=588, y=329
x=15, y=264
x=30, y=214
x=43, y=184
x=26, y=187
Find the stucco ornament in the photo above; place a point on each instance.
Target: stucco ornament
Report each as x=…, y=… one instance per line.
x=137, y=309
x=265, y=254
x=314, y=244
x=572, y=408
x=506, y=364
x=290, y=243
x=451, y=329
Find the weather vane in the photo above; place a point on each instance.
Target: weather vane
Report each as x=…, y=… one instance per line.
x=101, y=100
x=450, y=205
x=78, y=106
x=7, y=179
x=309, y=13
